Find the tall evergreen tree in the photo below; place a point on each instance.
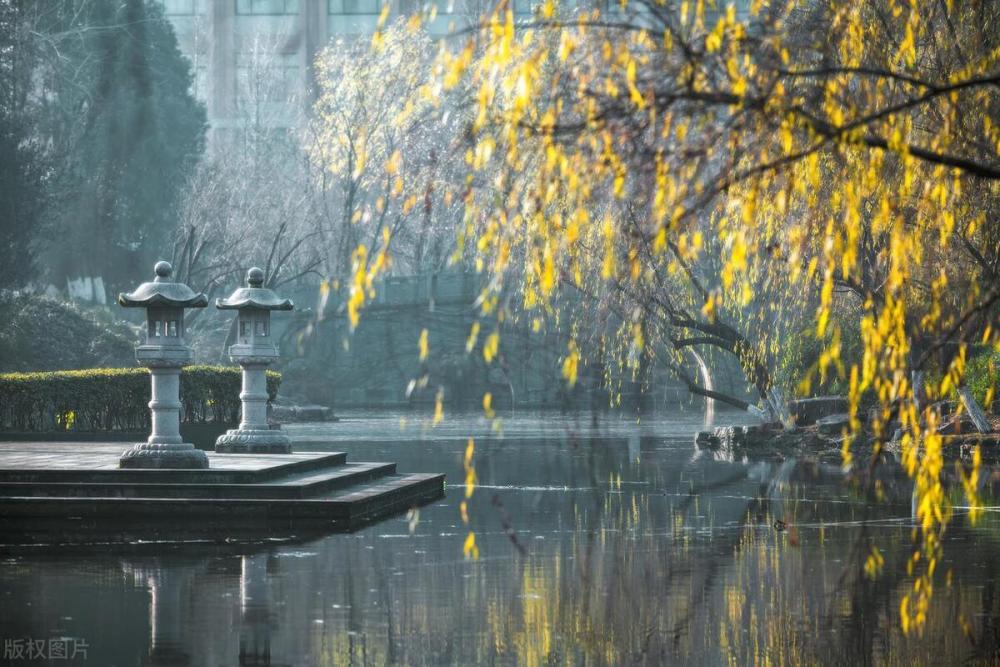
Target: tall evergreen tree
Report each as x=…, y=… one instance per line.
x=129, y=131
x=22, y=188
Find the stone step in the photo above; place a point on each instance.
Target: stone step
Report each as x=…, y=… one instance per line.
x=365, y=503
x=340, y=510
x=299, y=484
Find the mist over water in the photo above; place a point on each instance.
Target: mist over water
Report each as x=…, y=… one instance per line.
x=610, y=544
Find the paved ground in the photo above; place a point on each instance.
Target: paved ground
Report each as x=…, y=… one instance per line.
x=104, y=456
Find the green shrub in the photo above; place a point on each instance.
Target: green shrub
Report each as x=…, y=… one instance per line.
x=115, y=399
x=982, y=372
x=45, y=334
x=799, y=354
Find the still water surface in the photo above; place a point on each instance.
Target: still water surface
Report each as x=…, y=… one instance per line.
x=607, y=545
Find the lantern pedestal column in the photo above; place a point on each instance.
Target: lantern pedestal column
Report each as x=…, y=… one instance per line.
x=254, y=435
x=164, y=448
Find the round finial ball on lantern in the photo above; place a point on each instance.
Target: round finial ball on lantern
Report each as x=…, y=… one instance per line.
x=255, y=277
x=163, y=270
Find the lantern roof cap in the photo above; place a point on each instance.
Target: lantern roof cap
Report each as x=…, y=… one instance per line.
x=162, y=291
x=254, y=296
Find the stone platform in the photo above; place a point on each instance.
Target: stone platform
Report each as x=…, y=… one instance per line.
x=72, y=489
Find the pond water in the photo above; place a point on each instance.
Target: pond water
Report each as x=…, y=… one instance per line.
x=612, y=544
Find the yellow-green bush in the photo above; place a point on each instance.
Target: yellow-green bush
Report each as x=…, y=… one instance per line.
x=982, y=374
x=115, y=399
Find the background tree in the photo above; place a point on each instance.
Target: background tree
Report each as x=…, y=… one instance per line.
x=252, y=200
x=22, y=170
x=112, y=103
x=381, y=157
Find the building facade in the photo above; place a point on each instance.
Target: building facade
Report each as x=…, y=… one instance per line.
x=253, y=59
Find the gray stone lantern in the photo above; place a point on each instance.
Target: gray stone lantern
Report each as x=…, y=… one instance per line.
x=254, y=351
x=164, y=352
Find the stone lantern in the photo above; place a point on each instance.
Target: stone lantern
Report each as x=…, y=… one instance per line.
x=164, y=353
x=254, y=351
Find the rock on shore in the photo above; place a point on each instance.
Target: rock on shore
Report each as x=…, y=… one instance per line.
x=807, y=411
x=824, y=438
x=289, y=413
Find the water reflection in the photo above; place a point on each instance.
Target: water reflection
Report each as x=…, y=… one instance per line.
x=256, y=617
x=637, y=549
x=169, y=589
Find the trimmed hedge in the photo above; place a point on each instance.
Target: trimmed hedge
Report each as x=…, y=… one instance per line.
x=116, y=399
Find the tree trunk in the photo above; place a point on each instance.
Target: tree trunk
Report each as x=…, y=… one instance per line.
x=917, y=377
x=976, y=413
x=779, y=408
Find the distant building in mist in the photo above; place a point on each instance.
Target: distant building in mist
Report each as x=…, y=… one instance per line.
x=253, y=59
x=229, y=40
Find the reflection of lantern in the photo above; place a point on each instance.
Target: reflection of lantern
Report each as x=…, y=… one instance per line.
x=170, y=590
x=256, y=619
x=164, y=353
x=254, y=351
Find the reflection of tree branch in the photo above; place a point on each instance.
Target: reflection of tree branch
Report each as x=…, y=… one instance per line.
x=727, y=550
x=508, y=527
x=696, y=389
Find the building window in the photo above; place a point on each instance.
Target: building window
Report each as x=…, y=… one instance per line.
x=179, y=7
x=354, y=6
x=266, y=7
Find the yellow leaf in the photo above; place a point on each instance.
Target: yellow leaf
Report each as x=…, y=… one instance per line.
x=491, y=346
x=470, y=343
x=438, y=407
x=422, y=345
x=470, y=450
x=571, y=363
x=395, y=160
x=469, y=548
x=633, y=92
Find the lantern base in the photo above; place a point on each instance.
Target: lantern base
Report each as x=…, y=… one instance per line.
x=163, y=455
x=255, y=441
